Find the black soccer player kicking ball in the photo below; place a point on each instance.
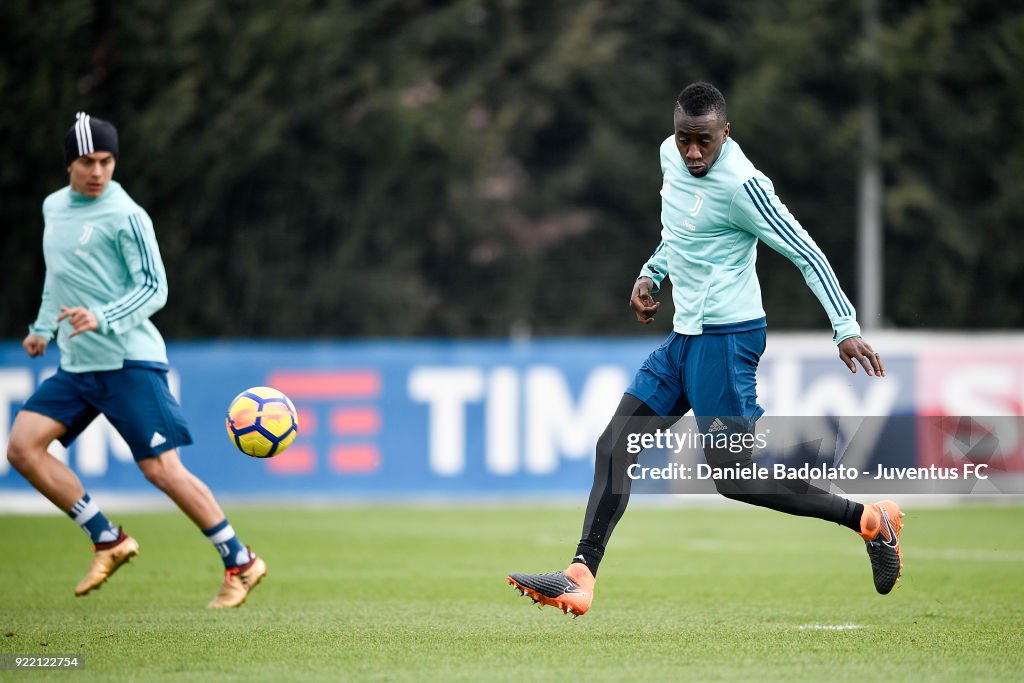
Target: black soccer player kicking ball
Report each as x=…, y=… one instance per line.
x=715, y=208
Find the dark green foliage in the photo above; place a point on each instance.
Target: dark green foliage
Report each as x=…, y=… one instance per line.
x=474, y=168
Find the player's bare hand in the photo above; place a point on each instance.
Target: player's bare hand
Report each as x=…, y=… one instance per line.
x=857, y=349
x=80, y=317
x=34, y=345
x=641, y=301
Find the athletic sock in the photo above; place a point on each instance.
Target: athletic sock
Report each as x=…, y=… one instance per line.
x=853, y=515
x=589, y=554
x=232, y=551
x=93, y=522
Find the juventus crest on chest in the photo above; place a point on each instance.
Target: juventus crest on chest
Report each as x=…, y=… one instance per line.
x=698, y=203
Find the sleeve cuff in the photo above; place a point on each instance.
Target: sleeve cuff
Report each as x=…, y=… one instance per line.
x=102, y=326
x=845, y=328
x=40, y=332
x=652, y=275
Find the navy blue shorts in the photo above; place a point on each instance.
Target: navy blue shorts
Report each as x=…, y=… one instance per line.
x=715, y=375
x=136, y=400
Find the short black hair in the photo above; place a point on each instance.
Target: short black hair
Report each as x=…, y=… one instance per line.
x=700, y=99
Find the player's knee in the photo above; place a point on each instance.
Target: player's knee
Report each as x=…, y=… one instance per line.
x=745, y=490
x=612, y=453
x=23, y=451
x=163, y=472
x=729, y=488
x=736, y=487
x=16, y=456
x=730, y=491
x=156, y=473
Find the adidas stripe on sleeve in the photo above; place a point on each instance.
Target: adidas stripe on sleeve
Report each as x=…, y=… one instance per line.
x=656, y=267
x=146, y=270
x=757, y=209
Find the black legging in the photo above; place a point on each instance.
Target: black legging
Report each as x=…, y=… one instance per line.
x=609, y=494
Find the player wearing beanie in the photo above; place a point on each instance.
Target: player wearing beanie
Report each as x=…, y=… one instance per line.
x=104, y=279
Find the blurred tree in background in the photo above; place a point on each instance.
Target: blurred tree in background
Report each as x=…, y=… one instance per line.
x=486, y=168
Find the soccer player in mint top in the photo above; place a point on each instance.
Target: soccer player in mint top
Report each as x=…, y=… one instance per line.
x=104, y=279
x=715, y=207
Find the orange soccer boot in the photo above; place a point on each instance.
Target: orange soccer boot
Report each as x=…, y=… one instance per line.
x=571, y=590
x=880, y=527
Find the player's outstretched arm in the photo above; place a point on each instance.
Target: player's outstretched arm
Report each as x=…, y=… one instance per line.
x=857, y=348
x=641, y=301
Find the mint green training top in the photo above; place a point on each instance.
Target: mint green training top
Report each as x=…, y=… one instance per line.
x=101, y=254
x=710, y=229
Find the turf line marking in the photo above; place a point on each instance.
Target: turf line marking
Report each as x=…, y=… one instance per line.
x=829, y=627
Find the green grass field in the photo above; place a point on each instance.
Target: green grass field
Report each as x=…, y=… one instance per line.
x=715, y=593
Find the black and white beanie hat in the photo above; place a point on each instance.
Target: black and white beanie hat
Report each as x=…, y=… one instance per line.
x=88, y=135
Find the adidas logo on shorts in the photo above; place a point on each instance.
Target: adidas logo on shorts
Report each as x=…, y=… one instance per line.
x=717, y=425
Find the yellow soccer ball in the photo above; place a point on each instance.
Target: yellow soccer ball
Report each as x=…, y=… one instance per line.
x=262, y=422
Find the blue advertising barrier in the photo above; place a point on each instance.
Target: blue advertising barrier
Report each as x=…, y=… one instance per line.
x=388, y=418
x=434, y=418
